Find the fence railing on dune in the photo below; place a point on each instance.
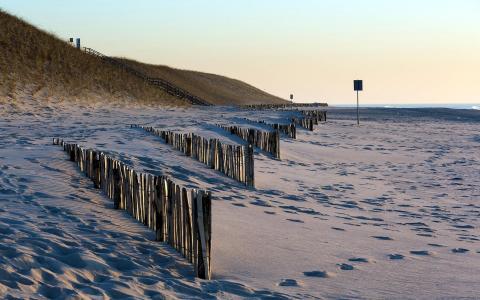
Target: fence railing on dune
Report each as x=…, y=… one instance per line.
x=161, y=83
x=179, y=216
x=281, y=106
x=268, y=141
x=235, y=161
x=289, y=129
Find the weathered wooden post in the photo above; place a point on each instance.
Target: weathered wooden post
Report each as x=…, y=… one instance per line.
x=202, y=207
x=159, y=219
x=250, y=166
x=96, y=169
x=277, y=143
x=72, y=153
x=116, y=188
x=188, y=145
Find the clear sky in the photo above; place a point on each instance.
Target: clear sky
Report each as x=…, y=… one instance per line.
x=410, y=51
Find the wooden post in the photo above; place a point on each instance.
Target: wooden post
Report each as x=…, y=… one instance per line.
x=187, y=226
x=96, y=169
x=116, y=189
x=159, y=217
x=72, y=154
x=203, y=217
x=250, y=166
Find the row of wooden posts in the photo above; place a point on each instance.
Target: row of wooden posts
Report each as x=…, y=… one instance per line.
x=310, y=118
x=179, y=216
x=306, y=123
x=235, y=161
x=289, y=129
x=268, y=141
x=281, y=106
x=317, y=115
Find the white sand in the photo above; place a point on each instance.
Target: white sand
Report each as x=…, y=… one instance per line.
x=380, y=211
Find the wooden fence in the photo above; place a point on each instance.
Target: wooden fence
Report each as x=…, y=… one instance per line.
x=289, y=129
x=180, y=217
x=281, y=106
x=235, y=161
x=268, y=141
x=312, y=117
x=316, y=115
x=306, y=123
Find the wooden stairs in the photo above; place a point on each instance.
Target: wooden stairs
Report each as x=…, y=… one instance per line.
x=158, y=82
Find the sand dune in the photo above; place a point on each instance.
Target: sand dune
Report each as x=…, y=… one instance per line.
x=37, y=61
x=216, y=89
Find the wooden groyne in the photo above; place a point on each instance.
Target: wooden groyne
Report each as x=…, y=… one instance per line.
x=235, y=161
x=316, y=115
x=268, y=141
x=306, y=123
x=281, y=106
x=310, y=118
x=179, y=216
x=288, y=129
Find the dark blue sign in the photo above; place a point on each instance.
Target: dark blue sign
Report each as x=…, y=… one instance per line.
x=358, y=85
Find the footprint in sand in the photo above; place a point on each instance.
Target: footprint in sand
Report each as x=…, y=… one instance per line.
x=327, y=188
x=383, y=238
x=295, y=220
x=319, y=274
x=422, y=252
x=436, y=245
x=270, y=212
x=460, y=250
x=345, y=267
x=463, y=226
x=338, y=228
x=239, y=204
x=289, y=282
x=396, y=256
x=259, y=202
x=359, y=259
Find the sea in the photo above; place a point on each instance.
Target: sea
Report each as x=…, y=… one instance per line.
x=429, y=105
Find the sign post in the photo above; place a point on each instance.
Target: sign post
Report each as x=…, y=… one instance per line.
x=358, y=86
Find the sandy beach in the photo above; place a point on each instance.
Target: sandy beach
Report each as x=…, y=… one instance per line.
x=212, y=150
x=389, y=209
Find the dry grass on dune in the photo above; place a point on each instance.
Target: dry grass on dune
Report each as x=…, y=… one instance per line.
x=29, y=56
x=36, y=62
x=216, y=89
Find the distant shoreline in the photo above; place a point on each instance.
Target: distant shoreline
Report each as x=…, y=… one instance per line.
x=451, y=106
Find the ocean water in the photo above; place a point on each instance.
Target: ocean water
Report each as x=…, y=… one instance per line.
x=456, y=112
x=447, y=105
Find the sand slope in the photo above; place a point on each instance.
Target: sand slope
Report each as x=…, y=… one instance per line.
x=216, y=89
x=32, y=58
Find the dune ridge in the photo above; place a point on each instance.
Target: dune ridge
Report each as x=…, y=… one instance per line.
x=37, y=62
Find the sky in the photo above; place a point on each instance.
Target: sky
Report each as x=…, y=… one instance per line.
x=406, y=52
